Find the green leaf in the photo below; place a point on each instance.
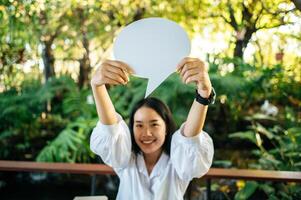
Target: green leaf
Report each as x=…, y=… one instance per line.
x=267, y=188
x=247, y=191
x=273, y=197
x=222, y=163
x=264, y=131
x=260, y=116
x=247, y=135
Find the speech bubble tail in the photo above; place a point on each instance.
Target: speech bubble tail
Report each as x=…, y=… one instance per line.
x=152, y=85
x=149, y=90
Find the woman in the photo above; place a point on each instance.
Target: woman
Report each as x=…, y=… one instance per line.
x=152, y=160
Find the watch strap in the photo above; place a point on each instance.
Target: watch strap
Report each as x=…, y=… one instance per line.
x=206, y=101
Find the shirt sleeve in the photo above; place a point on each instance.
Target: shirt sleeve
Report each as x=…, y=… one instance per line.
x=112, y=143
x=191, y=156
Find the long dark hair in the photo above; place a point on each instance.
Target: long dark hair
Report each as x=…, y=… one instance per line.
x=162, y=109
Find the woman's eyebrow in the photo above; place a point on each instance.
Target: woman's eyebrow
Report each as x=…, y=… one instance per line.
x=150, y=121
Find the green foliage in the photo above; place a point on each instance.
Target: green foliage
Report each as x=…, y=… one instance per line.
x=247, y=191
x=277, y=149
x=28, y=125
x=71, y=144
x=274, y=138
x=125, y=97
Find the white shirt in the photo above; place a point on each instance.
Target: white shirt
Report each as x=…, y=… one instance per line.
x=190, y=157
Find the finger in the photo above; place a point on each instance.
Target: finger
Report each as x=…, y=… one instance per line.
x=194, y=78
x=198, y=78
x=123, y=66
x=206, y=66
x=203, y=67
x=190, y=72
x=184, y=61
x=115, y=77
x=111, y=81
x=119, y=72
x=186, y=67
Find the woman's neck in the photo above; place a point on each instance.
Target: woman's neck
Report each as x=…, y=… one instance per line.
x=152, y=158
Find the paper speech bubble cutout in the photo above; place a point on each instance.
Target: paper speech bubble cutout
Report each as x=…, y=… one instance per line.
x=152, y=47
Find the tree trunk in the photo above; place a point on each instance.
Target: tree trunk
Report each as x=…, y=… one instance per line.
x=84, y=62
x=84, y=71
x=46, y=40
x=48, y=60
x=238, y=51
x=242, y=41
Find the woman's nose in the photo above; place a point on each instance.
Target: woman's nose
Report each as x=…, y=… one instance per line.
x=147, y=131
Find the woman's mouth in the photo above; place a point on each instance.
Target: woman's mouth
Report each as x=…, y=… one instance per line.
x=148, y=141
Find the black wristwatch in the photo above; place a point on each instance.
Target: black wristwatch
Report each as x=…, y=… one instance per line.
x=206, y=101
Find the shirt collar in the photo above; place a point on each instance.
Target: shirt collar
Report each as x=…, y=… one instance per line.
x=158, y=168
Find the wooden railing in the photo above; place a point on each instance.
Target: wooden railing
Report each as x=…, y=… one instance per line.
x=98, y=169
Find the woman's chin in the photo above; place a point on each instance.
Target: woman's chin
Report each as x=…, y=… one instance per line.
x=147, y=151
x=150, y=150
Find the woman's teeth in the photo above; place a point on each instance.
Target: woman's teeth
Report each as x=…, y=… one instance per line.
x=148, y=141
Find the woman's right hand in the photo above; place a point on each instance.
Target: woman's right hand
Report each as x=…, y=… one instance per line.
x=111, y=72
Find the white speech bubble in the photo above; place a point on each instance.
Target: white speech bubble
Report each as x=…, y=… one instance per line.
x=152, y=47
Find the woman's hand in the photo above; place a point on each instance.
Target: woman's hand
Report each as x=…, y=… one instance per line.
x=111, y=72
x=194, y=70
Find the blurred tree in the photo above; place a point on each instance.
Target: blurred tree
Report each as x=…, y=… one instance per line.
x=92, y=26
x=12, y=40
x=50, y=21
x=247, y=17
x=31, y=24
x=241, y=17
x=50, y=26
x=84, y=63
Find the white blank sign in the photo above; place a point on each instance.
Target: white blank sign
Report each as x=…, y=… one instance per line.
x=152, y=47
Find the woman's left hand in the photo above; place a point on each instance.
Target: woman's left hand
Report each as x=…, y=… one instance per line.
x=194, y=70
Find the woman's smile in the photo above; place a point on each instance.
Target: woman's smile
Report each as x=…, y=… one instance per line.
x=148, y=141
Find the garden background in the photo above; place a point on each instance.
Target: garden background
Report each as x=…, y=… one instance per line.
x=50, y=48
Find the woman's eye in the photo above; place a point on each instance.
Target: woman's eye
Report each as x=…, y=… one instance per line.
x=155, y=124
x=138, y=125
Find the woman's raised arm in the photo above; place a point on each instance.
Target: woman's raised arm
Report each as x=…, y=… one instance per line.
x=194, y=70
x=110, y=72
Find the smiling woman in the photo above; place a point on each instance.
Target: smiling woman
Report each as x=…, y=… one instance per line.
x=152, y=159
x=149, y=130
x=151, y=119
x=151, y=126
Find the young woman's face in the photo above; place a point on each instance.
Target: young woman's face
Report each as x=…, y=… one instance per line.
x=149, y=130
